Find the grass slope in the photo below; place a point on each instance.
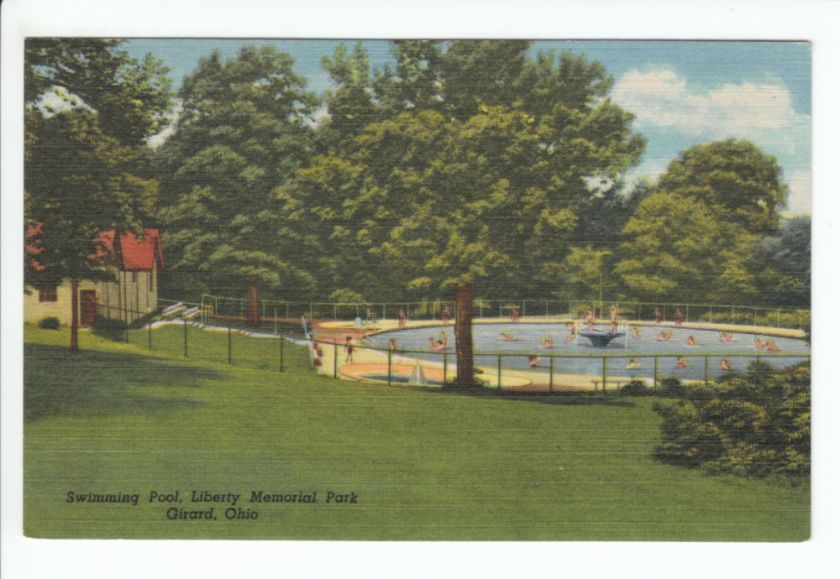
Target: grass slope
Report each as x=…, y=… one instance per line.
x=423, y=464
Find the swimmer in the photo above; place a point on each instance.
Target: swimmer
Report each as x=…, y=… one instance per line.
x=724, y=365
x=614, y=318
x=506, y=337
x=633, y=363
x=682, y=362
x=759, y=345
x=436, y=345
x=663, y=336
x=533, y=361
x=772, y=346
x=726, y=337
x=443, y=337
x=691, y=341
x=547, y=343
x=636, y=332
x=392, y=345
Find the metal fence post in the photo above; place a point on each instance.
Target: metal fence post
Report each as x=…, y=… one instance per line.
x=150, y=334
x=185, y=336
x=282, y=353
x=500, y=371
x=389, y=367
x=230, y=343
x=705, y=369
x=445, y=362
x=605, y=375
x=551, y=374
x=335, y=359
x=655, y=371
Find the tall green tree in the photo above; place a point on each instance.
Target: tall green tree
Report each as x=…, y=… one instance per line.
x=90, y=110
x=242, y=132
x=467, y=189
x=695, y=238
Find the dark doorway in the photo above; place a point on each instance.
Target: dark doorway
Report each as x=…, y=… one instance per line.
x=88, y=298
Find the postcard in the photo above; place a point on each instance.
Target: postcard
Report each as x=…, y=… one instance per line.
x=417, y=289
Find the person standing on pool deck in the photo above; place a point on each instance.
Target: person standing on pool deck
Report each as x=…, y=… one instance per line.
x=658, y=315
x=348, y=349
x=679, y=317
x=614, y=318
x=445, y=314
x=514, y=315
x=402, y=318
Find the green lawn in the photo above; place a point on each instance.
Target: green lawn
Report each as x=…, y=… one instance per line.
x=118, y=418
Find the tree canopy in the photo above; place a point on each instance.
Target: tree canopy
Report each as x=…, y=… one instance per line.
x=90, y=109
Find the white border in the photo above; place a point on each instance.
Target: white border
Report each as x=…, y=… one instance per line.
x=800, y=20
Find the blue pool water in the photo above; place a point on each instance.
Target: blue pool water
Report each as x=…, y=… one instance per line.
x=529, y=340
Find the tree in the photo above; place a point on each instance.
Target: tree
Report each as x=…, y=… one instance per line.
x=695, y=237
x=736, y=179
x=242, y=133
x=464, y=188
x=89, y=110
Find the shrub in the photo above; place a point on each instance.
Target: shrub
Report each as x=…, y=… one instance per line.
x=758, y=424
x=50, y=323
x=635, y=388
x=670, y=386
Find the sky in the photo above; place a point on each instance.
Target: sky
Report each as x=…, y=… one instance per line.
x=681, y=92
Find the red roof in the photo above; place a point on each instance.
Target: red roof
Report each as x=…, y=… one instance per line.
x=137, y=254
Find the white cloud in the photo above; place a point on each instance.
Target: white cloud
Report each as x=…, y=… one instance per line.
x=762, y=112
x=799, y=200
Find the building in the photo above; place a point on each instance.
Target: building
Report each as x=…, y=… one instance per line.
x=131, y=294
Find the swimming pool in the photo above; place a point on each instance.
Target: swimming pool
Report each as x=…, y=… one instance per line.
x=640, y=346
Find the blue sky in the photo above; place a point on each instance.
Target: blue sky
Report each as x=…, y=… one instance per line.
x=682, y=92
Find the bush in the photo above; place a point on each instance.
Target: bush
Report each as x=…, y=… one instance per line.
x=670, y=386
x=758, y=424
x=49, y=323
x=635, y=388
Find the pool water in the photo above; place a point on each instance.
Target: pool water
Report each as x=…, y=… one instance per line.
x=529, y=338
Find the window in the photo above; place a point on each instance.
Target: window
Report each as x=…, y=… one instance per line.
x=47, y=295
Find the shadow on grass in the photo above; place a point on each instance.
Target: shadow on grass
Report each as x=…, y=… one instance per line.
x=92, y=383
x=561, y=398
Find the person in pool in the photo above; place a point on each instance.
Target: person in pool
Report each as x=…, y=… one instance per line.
x=772, y=346
x=533, y=361
x=725, y=365
x=614, y=318
x=663, y=336
x=392, y=345
x=547, y=343
x=436, y=345
x=636, y=332
x=682, y=362
x=726, y=337
x=758, y=344
x=633, y=363
x=691, y=341
x=506, y=337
